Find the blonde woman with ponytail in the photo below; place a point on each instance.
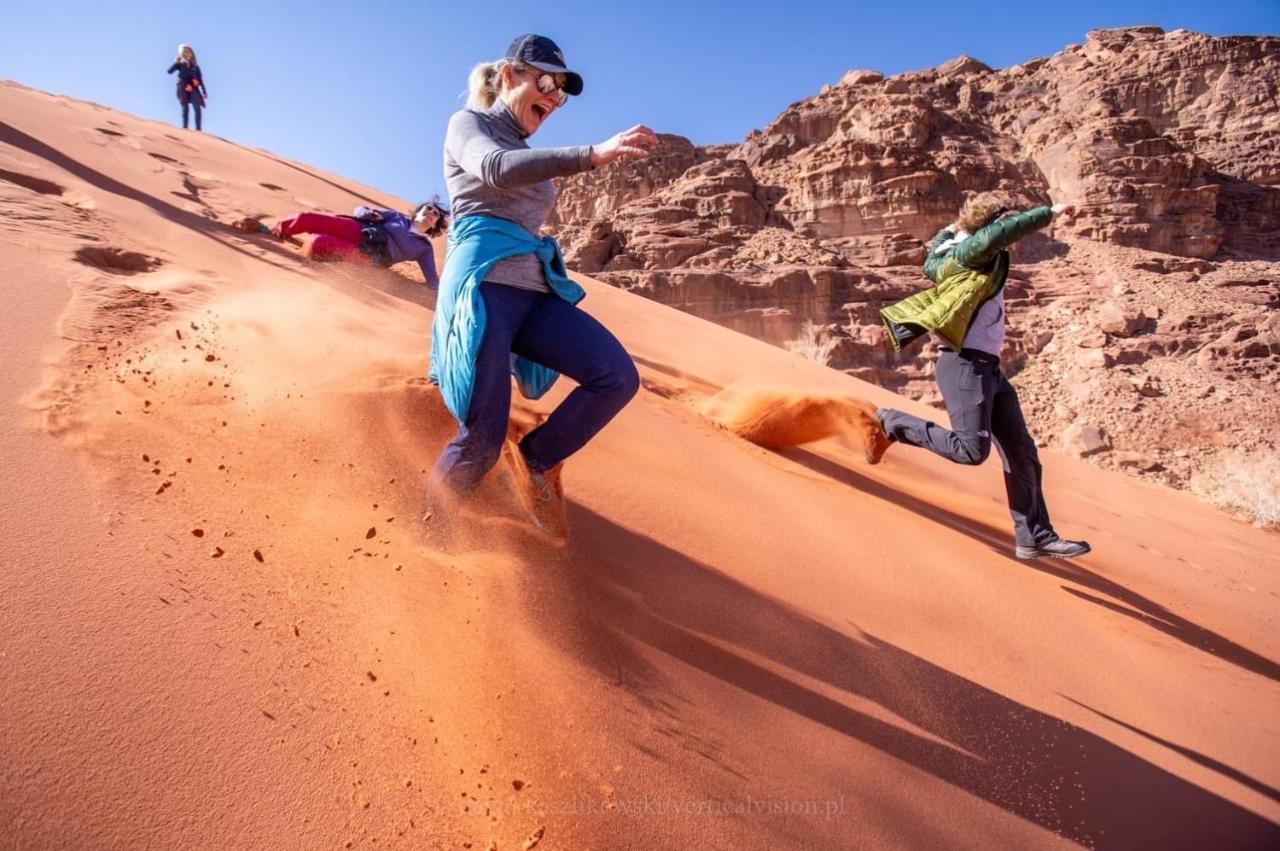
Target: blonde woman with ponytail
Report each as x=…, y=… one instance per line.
x=506, y=306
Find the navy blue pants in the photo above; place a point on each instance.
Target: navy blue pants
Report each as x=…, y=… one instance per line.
x=547, y=329
x=195, y=99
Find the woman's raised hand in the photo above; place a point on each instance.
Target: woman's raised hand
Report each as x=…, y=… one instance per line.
x=632, y=143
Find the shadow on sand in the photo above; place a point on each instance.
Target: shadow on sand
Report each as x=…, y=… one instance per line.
x=208, y=228
x=627, y=587
x=1135, y=605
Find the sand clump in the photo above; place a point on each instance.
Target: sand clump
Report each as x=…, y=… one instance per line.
x=776, y=418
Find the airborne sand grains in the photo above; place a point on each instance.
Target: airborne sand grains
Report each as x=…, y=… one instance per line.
x=776, y=418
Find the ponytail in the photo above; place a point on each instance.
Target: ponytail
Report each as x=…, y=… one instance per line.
x=482, y=85
x=485, y=82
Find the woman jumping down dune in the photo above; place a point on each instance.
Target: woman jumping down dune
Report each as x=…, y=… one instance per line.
x=506, y=305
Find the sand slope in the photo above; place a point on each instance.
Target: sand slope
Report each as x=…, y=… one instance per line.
x=218, y=630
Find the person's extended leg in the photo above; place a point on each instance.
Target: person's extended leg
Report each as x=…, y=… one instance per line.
x=332, y=248
x=573, y=343
x=1022, y=471
x=478, y=443
x=968, y=385
x=1033, y=533
x=340, y=227
x=184, y=114
x=198, y=107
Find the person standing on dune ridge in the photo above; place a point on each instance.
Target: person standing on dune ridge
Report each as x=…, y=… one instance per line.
x=382, y=237
x=968, y=264
x=191, y=88
x=506, y=305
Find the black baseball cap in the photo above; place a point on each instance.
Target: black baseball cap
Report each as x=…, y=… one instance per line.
x=543, y=54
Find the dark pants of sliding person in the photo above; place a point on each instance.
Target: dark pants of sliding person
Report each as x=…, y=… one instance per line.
x=550, y=331
x=983, y=405
x=196, y=100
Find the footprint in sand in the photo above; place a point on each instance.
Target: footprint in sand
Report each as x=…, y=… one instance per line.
x=195, y=185
x=193, y=190
x=164, y=159
x=272, y=187
x=107, y=132
x=35, y=184
x=663, y=391
x=117, y=260
x=181, y=143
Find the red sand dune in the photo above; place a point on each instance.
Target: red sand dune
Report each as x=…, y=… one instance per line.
x=217, y=627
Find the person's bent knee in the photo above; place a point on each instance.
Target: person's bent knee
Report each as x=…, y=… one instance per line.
x=629, y=381
x=619, y=380
x=973, y=450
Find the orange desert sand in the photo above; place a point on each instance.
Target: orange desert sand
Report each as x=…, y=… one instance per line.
x=219, y=630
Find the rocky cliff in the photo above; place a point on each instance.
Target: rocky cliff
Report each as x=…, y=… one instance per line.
x=1144, y=330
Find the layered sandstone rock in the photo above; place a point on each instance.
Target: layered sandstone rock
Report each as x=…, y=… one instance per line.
x=1130, y=318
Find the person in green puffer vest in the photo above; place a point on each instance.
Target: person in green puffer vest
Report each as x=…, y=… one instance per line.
x=968, y=265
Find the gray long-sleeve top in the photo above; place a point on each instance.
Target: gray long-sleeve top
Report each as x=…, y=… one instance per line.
x=490, y=170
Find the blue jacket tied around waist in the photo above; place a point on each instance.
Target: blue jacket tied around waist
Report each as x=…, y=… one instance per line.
x=475, y=244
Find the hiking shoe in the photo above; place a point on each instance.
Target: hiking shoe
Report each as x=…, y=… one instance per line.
x=875, y=442
x=278, y=234
x=540, y=492
x=1057, y=548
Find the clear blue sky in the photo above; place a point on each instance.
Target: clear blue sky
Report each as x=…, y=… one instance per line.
x=365, y=89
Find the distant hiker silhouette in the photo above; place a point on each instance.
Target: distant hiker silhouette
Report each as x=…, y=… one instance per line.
x=381, y=237
x=191, y=88
x=506, y=304
x=968, y=265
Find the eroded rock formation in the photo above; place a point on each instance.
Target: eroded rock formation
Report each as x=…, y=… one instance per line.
x=1145, y=312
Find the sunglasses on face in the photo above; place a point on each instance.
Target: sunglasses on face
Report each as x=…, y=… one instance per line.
x=547, y=84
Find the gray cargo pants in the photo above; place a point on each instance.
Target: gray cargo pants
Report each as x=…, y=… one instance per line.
x=983, y=406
